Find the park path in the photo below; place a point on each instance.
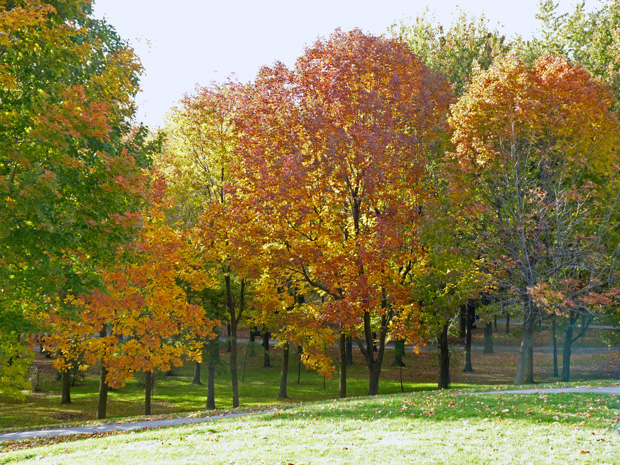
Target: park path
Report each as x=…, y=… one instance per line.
x=148, y=424
x=613, y=390
x=20, y=435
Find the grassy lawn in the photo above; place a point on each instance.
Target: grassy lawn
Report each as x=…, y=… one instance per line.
x=175, y=395
x=422, y=427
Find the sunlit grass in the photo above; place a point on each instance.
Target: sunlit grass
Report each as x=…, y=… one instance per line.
x=176, y=396
x=424, y=427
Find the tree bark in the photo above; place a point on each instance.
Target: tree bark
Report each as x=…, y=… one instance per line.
x=252, y=340
x=66, y=387
x=488, y=339
x=399, y=353
x=374, y=360
x=444, y=357
x=102, y=401
x=567, y=352
x=525, y=365
x=284, y=372
x=213, y=351
x=555, y=347
x=342, y=380
x=197, y=370
x=463, y=321
x=470, y=316
x=507, y=323
x=266, y=359
x=233, y=341
x=299, y=351
x=148, y=390
x=375, y=374
x=349, y=350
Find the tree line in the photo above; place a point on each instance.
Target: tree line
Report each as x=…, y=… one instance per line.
x=369, y=193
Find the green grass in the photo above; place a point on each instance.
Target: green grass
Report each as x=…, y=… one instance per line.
x=176, y=396
x=423, y=427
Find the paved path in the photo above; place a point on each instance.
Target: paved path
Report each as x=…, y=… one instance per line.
x=614, y=391
x=16, y=436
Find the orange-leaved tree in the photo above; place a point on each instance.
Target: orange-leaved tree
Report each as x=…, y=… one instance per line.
x=537, y=149
x=332, y=158
x=141, y=313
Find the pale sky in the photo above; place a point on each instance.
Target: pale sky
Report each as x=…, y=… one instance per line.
x=189, y=42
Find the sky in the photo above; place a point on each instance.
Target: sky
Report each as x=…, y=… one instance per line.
x=187, y=43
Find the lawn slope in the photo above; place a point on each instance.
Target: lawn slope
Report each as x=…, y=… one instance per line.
x=424, y=427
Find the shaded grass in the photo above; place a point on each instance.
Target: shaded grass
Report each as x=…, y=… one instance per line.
x=175, y=395
x=424, y=427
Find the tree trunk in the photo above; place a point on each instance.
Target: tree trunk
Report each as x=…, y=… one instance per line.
x=233, y=369
x=342, y=381
x=266, y=360
x=374, y=360
x=252, y=340
x=233, y=343
x=213, y=351
x=507, y=323
x=399, y=353
x=66, y=387
x=284, y=372
x=471, y=312
x=566, y=353
x=555, y=347
x=444, y=357
x=462, y=321
x=229, y=338
x=375, y=374
x=102, y=402
x=488, y=339
x=148, y=390
x=299, y=351
x=196, y=379
x=349, y=350
x=525, y=365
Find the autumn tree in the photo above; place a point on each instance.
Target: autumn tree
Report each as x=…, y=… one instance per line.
x=141, y=313
x=202, y=135
x=331, y=162
x=535, y=146
x=467, y=44
x=588, y=36
x=68, y=181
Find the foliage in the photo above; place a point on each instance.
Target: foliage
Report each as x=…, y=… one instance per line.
x=468, y=44
x=332, y=158
x=590, y=38
x=70, y=169
x=536, y=145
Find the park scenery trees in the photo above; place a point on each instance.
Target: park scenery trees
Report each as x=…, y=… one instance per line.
x=368, y=193
x=71, y=165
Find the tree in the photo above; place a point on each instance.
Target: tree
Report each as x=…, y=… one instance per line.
x=535, y=145
x=141, y=313
x=69, y=183
x=448, y=278
x=202, y=140
x=457, y=52
x=590, y=38
x=331, y=162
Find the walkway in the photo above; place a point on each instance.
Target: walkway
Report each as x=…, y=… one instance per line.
x=16, y=436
